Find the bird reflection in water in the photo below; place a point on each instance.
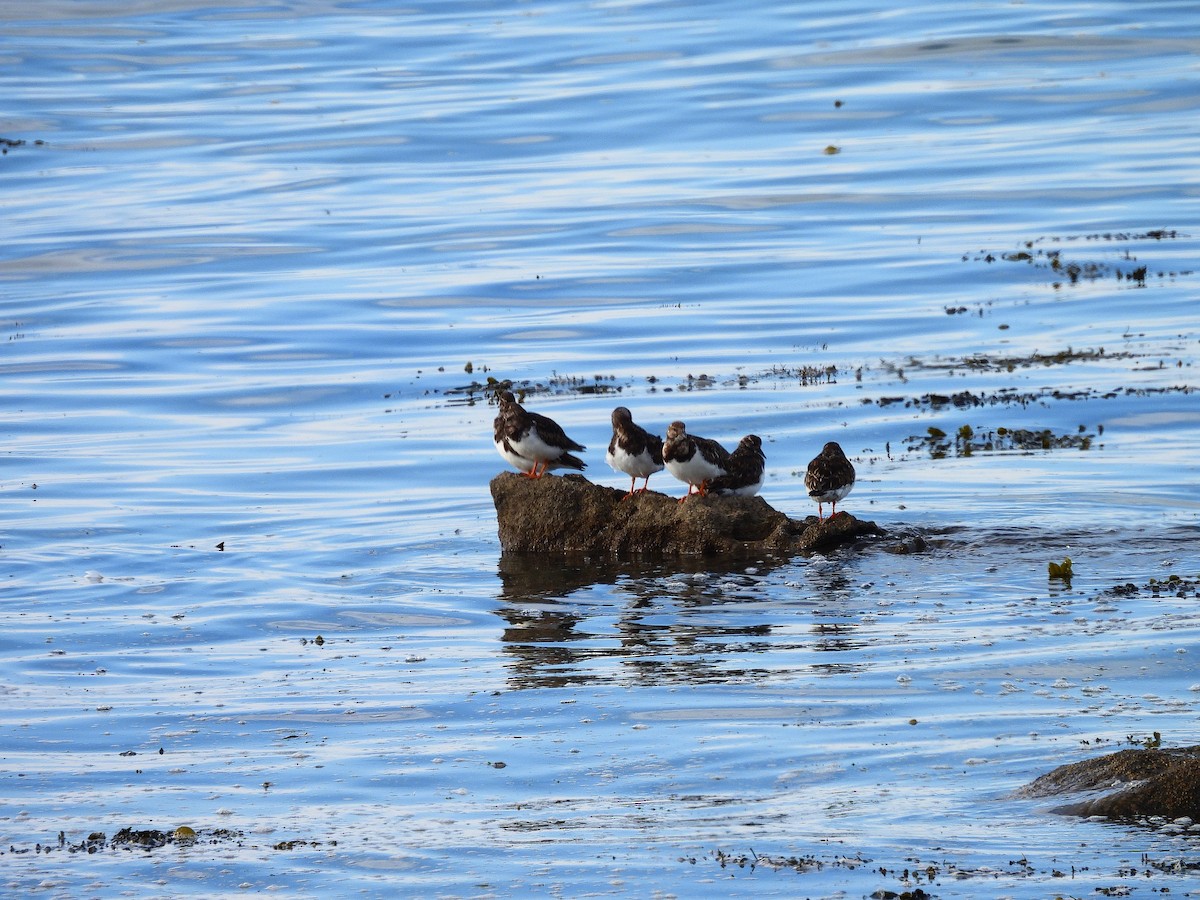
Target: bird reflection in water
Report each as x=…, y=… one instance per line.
x=576, y=619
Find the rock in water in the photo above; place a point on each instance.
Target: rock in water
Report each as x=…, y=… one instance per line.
x=570, y=513
x=1153, y=783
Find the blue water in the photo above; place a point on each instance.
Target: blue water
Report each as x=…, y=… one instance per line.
x=257, y=262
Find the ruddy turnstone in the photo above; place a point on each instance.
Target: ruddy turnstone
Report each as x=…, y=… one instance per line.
x=531, y=442
x=633, y=450
x=829, y=478
x=744, y=470
x=693, y=460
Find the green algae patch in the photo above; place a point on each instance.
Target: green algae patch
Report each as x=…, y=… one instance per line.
x=1060, y=571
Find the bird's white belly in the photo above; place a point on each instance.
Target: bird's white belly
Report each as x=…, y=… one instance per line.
x=832, y=496
x=747, y=490
x=514, y=459
x=531, y=446
x=695, y=471
x=642, y=466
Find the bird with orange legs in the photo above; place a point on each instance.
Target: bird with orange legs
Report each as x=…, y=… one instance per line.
x=531, y=442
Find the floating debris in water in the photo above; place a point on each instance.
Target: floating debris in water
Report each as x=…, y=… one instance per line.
x=967, y=441
x=1088, y=270
x=1061, y=571
x=1172, y=586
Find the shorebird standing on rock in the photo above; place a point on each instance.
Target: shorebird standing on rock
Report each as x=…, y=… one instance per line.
x=633, y=450
x=532, y=443
x=829, y=478
x=693, y=460
x=744, y=469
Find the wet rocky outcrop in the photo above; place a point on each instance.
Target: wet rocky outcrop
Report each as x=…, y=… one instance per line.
x=1142, y=783
x=570, y=513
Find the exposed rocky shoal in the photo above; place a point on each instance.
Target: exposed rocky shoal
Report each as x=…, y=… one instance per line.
x=570, y=513
x=1149, y=782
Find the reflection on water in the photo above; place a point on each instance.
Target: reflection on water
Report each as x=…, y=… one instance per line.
x=528, y=577
x=572, y=619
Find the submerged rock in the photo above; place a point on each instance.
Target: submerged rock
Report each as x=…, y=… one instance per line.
x=570, y=513
x=1149, y=782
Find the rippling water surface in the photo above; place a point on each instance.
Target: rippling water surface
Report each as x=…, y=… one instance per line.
x=260, y=260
